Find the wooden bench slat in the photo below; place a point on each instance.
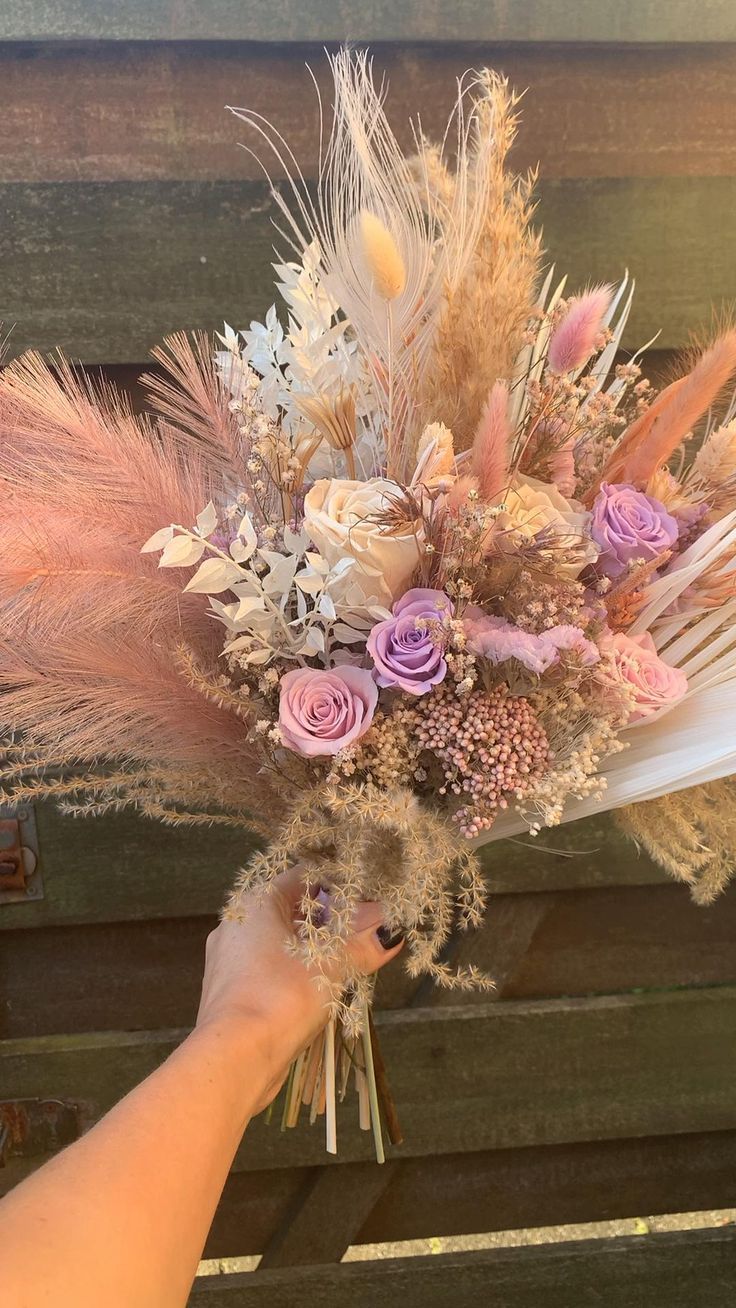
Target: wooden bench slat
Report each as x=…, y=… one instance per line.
x=486, y=1076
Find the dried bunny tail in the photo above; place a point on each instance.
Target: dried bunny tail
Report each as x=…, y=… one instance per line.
x=490, y=461
x=648, y=444
x=124, y=701
x=574, y=338
x=193, y=398
x=76, y=446
x=366, y=187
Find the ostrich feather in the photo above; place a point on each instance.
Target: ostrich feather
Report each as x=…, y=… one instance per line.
x=363, y=170
x=124, y=700
x=69, y=444
x=490, y=460
x=193, y=397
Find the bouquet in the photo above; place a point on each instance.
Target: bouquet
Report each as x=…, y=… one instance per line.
x=415, y=566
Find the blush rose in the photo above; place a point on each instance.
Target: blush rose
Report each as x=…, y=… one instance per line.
x=406, y=655
x=324, y=711
x=653, y=683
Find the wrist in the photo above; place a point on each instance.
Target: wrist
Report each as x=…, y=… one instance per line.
x=240, y=1048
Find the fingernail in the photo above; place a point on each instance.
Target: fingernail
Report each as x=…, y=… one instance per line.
x=387, y=939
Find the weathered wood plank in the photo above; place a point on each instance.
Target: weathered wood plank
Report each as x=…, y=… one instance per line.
x=489, y=1076
x=504, y=1189
x=105, y=270
x=367, y=20
x=145, y=975
x=125, y=868
x=326, y=1216
x=672, y=1270
x=125, y=112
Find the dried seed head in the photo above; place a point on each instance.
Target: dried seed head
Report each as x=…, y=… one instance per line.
x=382, y=256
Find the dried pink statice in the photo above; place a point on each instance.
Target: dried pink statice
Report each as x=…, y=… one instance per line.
x=571, y=640
x=575, y=337
x=491, y=747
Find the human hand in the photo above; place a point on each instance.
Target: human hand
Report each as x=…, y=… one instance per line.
x=256, y=988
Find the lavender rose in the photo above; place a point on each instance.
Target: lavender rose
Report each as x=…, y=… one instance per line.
x=322, y=712
x=627, y=524
x=405, y=655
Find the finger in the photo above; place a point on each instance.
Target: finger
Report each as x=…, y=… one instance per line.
x=372, y=944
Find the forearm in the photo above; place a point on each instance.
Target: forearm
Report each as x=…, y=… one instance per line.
x=121, y=1217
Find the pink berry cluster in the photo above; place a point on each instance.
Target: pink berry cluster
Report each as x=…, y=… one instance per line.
x=491, y=746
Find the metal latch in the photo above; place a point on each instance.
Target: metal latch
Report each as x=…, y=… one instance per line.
x=20, y=876
x=29, y=1127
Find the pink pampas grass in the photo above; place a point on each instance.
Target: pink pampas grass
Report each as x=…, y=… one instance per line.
x=574, y=338
x=490, y=458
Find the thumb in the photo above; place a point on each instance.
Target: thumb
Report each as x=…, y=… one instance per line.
x=372, y=944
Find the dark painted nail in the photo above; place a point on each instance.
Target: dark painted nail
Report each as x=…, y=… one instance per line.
x=388, y=940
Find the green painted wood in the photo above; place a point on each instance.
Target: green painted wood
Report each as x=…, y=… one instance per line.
x=105, y=270
x=367, y=20
x=489, y=1076
x=673, y=1270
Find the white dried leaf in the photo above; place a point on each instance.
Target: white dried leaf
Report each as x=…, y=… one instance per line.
x=247, y=607
x=212, y=577
x=318, y=563
x=309, y=582
x=207, y=520
x=295, y=541
x=346, y=634
x=281, y=576
x=314, y=643
x=326, y=606
x=248, y=535
x=158, y=540
x=259, y=656
x=182, y=552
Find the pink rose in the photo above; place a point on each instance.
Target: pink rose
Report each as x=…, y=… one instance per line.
x=324, y=711
x=655, y=684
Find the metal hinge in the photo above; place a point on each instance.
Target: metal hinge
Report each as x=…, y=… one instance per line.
x=20, y=873
x=29, y=1127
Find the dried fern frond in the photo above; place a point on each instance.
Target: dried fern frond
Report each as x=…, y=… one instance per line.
x=691, y=834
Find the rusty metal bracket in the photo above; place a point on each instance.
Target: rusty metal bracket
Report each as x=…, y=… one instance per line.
x=30, y=1127
x=20, y=871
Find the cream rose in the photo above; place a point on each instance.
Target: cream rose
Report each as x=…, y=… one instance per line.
x=531, y=505
x=341, y=517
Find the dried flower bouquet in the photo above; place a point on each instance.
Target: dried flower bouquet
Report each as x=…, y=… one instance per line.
x=420, y=568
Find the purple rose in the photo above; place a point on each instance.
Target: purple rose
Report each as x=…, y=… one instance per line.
x=405, y=655
x=322, y=712
x=627, y=524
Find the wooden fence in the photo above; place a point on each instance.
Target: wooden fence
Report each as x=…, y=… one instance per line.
x=598, y=1081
